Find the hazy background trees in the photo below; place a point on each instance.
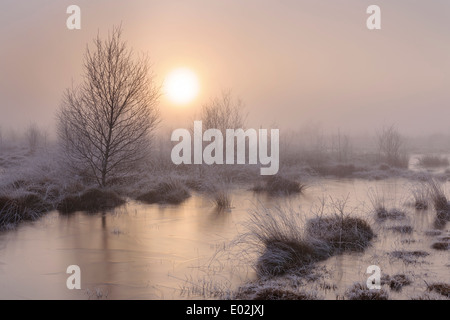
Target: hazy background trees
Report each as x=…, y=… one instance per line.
x=341, y=147
x=35, y=137
x=391, y=147
x=105, y=124
x=223, y=112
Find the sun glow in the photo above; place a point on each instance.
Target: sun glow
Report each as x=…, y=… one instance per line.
x=181, y=86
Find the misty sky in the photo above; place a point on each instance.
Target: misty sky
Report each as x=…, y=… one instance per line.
x=292, y=62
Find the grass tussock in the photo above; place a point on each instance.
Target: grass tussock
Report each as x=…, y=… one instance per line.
x=433, y=233
x=433, y=161
x=341, y=233
x=421, y=197
x=378, y=202
x=441, y=246
x=196, y=184
x=440, y=202
x=398, y=281
x=438, y=197
x=275, y=294
x=279, y=234
x=91, y=201
x=441, y=288
x=360, y=292
x=218, y=191
x=222, y=199
x=280, y=257
x=14, y=210
x=170, y=192
x=409, y=257
x=429, y=296
x=289, y=244
x=443, y=216
x=393, y=214
x=278, y=185
x=289, y=287
x=440, y=221
x=404, y=229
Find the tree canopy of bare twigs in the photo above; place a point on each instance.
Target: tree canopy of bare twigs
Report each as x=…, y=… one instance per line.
x=35, y=137
x=105, y=124
x=391, y=146
x=223, y=112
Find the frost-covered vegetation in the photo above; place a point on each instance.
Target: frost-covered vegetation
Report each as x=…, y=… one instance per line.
x=32, y=166
x=432, y=161
x=287, y=245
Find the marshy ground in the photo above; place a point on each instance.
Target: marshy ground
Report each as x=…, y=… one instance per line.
x=237, y=235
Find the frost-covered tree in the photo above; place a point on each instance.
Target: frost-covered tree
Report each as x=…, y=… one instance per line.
x=105, y=123
x=35, y=137
x=391, y=147
x=223, y=112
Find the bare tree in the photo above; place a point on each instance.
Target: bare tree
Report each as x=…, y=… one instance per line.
x=313, y=143
x=223, y=112
x=105, y=124
x=341, y=146
x=391, y=147
x=34, y=137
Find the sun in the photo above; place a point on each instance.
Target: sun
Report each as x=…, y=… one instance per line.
x=181, y=86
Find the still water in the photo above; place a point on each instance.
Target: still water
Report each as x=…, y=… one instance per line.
x=162, y=252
